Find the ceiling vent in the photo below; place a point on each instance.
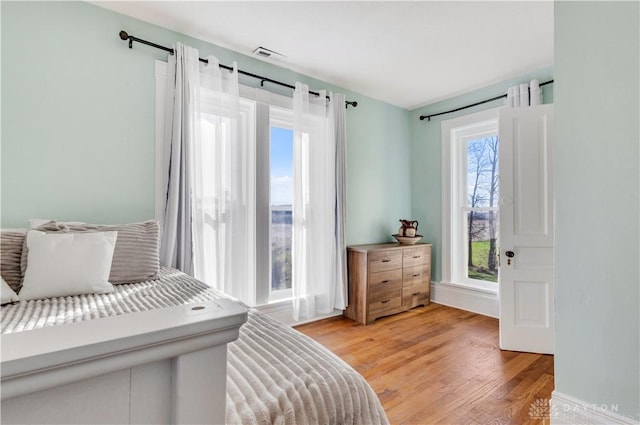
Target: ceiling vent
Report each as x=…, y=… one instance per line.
x=262, y=52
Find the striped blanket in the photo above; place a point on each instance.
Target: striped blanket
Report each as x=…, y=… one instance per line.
x=275, y=374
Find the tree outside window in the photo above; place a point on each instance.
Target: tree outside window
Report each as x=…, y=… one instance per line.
x=482, y=208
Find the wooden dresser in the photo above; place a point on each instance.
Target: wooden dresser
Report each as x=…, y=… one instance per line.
x=386, y=279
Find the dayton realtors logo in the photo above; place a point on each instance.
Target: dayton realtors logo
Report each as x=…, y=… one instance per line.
x=542, y=409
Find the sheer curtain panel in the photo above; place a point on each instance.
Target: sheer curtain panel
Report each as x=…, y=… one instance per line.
x=316, y=282
x=224, y=186
x=340, y=129
x=208, y=224
x=180, y=136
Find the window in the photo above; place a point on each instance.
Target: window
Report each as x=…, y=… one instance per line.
x=281, y=201
x=470, y=201
x=481, y=211
x=262, y=194
x=274, y=199
x=224, y=201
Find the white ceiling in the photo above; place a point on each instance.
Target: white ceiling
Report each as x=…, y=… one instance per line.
x=406, y=53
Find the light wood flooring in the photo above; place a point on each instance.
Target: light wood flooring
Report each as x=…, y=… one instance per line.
x=440, y=365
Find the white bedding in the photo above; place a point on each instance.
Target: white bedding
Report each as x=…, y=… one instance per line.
x=275, y=374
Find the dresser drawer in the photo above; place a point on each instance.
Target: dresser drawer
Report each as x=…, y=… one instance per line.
x=416, y=256
x=385, y=291
x=380, y=261
x=384, y=281
x=385, y=285
x=384, y=305
x=413, y=275
x=416, y=289
x=416, y=298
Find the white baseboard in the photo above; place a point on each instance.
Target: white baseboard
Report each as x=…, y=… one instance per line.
x=465, y=298
x=566, y=410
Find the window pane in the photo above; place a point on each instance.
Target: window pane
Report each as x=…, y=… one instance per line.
x=281, y=166
x=482, y=172
x=482, y=245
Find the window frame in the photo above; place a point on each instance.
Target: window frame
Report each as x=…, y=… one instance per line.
x=281, y=118
x=271, y=110
x=456, y=133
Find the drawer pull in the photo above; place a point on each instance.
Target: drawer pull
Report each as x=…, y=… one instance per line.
x=385, y=281
x=416, y=256
x=384, y=302
x=386, y=261
x=416, y=275
x=416, y=293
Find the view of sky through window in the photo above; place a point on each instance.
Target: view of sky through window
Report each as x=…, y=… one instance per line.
x=281, y=166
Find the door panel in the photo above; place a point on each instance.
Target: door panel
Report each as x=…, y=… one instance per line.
x=526, y=229
x=530, y=172
x=530, y=300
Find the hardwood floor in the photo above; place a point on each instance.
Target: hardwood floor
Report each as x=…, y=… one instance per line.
x=440, y=365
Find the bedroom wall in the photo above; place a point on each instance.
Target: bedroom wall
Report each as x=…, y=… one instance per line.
x=78, y=123
x=597, y=299
x=426, y=154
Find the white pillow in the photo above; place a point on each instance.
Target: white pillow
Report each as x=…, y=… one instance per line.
x=7, y=294
x=63, y=264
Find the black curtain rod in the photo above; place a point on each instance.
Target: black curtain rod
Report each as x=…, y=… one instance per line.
x=131, y=38
x=428, y=117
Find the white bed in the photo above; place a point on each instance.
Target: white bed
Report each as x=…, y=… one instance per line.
x=143, y=354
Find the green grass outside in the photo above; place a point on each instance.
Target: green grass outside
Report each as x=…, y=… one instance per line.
x=480, y=258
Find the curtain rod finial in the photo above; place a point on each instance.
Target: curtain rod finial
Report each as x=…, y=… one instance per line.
x=124, y=36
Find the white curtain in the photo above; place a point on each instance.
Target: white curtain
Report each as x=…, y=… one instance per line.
x=523, y=95
x=224, y=188
x=317, y=285
x=340, y=130
x=180, y=136
x=209, y=172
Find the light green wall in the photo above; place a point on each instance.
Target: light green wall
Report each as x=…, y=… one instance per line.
x=426, y=155
x=378, y=185
x=78, y=122
x=597, y=55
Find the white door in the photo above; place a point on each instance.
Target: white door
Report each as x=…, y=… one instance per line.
x=526, y=229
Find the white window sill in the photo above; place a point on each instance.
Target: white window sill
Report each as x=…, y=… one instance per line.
x=479, y=286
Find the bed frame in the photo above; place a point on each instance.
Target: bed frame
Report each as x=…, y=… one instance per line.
x=160, y=366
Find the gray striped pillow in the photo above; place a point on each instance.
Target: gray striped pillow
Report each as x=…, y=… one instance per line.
x=136, y=255
x=11, y=243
